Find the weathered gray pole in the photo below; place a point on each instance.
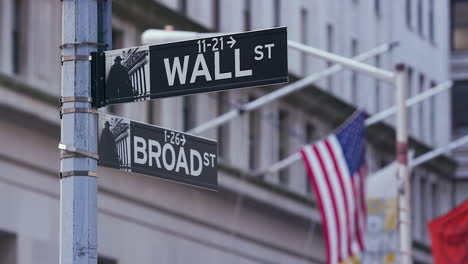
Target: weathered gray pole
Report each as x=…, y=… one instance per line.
x=78, y=184
x=404, y=189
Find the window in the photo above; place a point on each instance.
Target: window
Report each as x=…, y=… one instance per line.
x=423, y=213
x=103, y=260
x=1, y=28
x=420, y=17
x=330, y=45
x=247, y=15
x=8, y=248
x=409, y=94
x=354, y=76
x=112, y=109
x=304, y=39
x=377, y=7
x=418, y=262
x=188, y=112
x=435, y=200
x=277, y=14
x=432, y=115
x=431, y=21
x=183, y=6
x=459, y=25
x=154, y=110
x=410, y=91
x=381, y=163
x=408, y=13
x=216, y=15
x=310, y=133
x=283, y=149
x=18, y=35
x=310, y=136
x=117, y=38
x=222, y=131
x=254, y=138
x=414, y=183
x=150, y=110
x=421, y=118
x=377, y=85
x=460, y=107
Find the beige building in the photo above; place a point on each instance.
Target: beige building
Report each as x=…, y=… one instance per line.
x=271, y=219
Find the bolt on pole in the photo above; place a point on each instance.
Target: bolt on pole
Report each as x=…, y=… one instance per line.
x=78, y=184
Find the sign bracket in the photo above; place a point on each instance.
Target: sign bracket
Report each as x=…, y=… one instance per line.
x=72, y=99
x=83, y=43
x=98, y=79
x=65, y=174
x=80, y=152
x=71, y=110
x=76, y=58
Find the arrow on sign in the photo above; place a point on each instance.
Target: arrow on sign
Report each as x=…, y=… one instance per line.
x=231, y=42
x=183, y=140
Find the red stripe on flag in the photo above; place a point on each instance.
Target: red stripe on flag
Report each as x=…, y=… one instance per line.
x=363, y=191
x=320, y=202
x=357, y=212
x=332, y=194
x=362, y=178
x=340, y=178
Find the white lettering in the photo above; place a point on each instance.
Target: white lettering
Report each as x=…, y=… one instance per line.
x=154, y=155
x=176, y=69
x=193, y=171
x=237, y=62
x=182, y=161
x=206, y=159
x=139, y=145
x=169, y=147
x=213, y=156
x=259, y=52
x=200, y=61
x=218, y=74
x=269, y=46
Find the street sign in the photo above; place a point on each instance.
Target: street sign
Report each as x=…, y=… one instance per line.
x=216, y=63
x=154, y=151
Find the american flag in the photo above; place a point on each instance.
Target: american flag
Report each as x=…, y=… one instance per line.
x=337, y=169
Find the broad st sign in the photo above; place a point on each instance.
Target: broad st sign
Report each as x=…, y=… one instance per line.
x=154, y=151
x=202, y=65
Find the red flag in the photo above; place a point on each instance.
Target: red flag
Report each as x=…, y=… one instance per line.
x=449, y=236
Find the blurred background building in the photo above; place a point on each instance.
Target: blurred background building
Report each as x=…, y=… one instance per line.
x=271, y=219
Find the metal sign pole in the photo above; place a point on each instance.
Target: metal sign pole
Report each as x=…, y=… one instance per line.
x=78, y=183
x=404, y=213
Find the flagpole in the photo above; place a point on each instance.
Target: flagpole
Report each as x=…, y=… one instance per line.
x=439, y=151
x=410, y=102
x=404, y=214
x=286, y=90
x=369, y=122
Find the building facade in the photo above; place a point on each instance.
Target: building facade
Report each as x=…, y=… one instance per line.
x=252, y=219
x=459, y=74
